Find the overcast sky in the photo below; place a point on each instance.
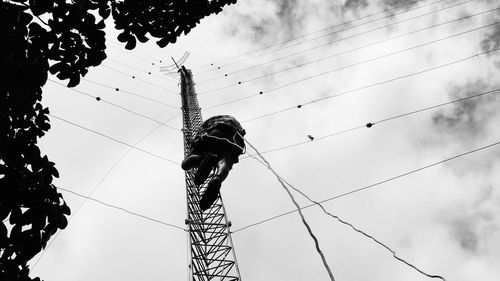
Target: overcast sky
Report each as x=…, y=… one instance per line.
x=377, y=65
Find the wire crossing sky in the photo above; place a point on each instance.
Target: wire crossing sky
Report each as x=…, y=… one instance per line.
x=419, y=77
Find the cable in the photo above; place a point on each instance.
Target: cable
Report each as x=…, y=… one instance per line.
x=351, y=65
x=129, y=93
x=371, y=124
x=122, y=209
x=350, y=37
x=377, y=42
x=374, y=184
x=338, y=25
x=135, y=77
x=322, y=99
x=149, y=73
x=316, y=243
x=266, y=164
x=108, y=172
x=167, y=78
x=138, y=69
x=115, y=105
x=359, y=88
x=113, y=139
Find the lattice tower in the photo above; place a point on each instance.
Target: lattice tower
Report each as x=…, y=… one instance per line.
x=212, y=254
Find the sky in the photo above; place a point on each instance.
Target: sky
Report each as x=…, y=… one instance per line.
x=400, y=65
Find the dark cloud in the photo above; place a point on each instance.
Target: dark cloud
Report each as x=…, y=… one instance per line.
x=404, y=4
x=356, y=4
x=470, y=118
x=492, y=39
x=279, y=20
x=465, y=233
x=474, y=224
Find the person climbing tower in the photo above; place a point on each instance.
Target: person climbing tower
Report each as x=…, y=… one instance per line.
x=217, y=145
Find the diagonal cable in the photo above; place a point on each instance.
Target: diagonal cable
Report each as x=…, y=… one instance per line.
x=304, y=221
x=374, y=184
x=371, y=237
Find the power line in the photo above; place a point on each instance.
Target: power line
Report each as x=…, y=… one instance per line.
x=122, y=209
x=380, y=57
x=135, y=77
x=337, y=25
x=355, y=89
x=282, y=181
x=372, y=185
x=371, y=124
x=354, y=64
x=167, y=78
x=363, y=46
x=138, y=69
x=149, y=73
x=115, y=105
x=113, y=139
x=129, y=93
x=108, y=172
x=346, y=38
x=299, y=106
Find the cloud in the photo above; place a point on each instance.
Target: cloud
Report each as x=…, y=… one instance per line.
x=270, y=21
x=470, y=214
x=396, y=3
x=470, y=119
x=356, y=4
x=474, y=225
x=492, y=39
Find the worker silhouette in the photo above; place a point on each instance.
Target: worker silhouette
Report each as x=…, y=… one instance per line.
x=216, y=145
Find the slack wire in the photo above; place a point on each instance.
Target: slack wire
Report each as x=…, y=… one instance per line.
x=316, y=243
x=327, y=28
x=116, y=105
x=350, y=37
x=355, y=228
x=121, y=209
x=371, y=124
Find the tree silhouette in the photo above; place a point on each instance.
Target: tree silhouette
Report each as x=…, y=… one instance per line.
x=67, y=44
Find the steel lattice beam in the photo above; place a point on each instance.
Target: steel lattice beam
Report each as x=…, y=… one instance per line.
x=212, y=252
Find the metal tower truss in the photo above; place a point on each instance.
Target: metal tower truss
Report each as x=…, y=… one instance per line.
x=211, y=247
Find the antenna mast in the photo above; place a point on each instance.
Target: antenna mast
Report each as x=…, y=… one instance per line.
x=211, y=247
